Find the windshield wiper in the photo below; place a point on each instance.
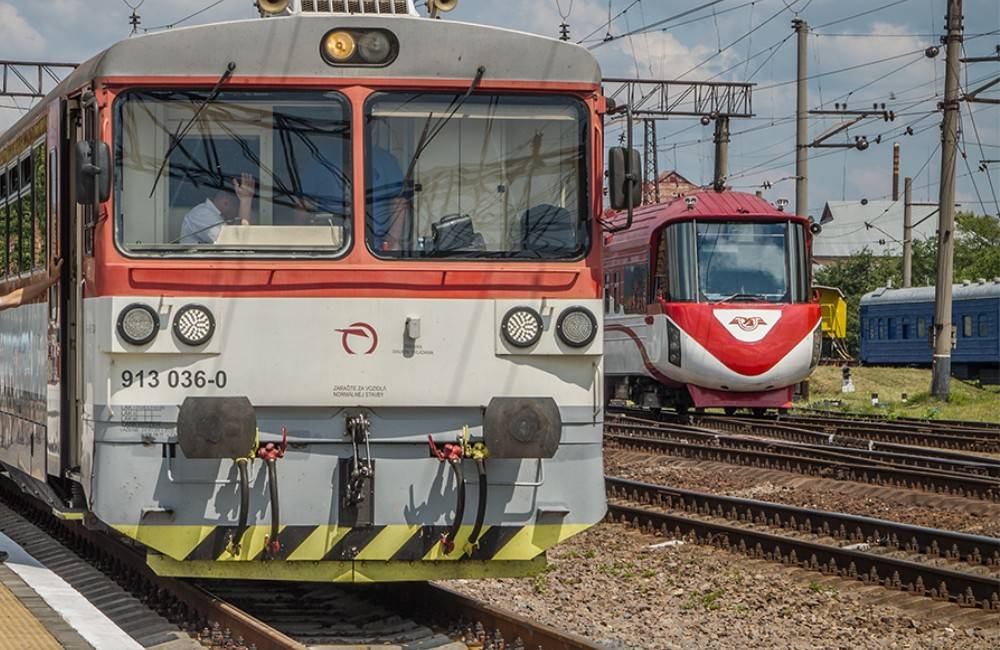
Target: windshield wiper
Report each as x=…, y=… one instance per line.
x=745, y=296
x=187, y=126
x=426, y=139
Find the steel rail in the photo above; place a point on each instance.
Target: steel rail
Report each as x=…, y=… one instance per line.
x=937, y=582
x=928, y=427
x=822, y=452
x=913, y=443
x=892, y=535
x=941, y=424
x=805, y=463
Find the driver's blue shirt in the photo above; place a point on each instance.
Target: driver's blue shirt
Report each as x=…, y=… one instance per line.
x=326, y=188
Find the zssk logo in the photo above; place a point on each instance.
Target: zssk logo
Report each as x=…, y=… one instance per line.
x=357, y=336
x=748, y=323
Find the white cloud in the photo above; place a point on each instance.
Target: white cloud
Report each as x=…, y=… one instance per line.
x=16, y=34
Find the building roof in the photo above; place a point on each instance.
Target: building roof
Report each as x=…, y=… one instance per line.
x=964, y=291
x=847, y=233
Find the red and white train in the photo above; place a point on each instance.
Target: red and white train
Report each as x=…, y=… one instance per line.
x=708, y=304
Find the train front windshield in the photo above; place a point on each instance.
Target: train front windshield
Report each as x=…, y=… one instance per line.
x=736, y=261
x=484, y=176
x=241, y=174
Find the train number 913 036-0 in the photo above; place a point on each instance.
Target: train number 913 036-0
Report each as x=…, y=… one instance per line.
x=174, y=378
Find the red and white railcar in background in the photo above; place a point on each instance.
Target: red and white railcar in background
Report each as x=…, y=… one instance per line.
x=708, y=304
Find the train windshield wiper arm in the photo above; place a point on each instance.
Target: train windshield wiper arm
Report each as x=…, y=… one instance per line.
x=744, y=296
x=425, y=138
x=176, y=140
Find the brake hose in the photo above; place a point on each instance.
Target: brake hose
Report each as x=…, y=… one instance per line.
x=481, y=507
x=448, y=541
x=241, y=467
x=273, y=545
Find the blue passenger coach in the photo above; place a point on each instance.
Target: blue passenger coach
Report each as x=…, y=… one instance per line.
x=896, y=325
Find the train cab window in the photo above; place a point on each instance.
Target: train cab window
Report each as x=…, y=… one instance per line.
x=984, y=325
x=484, y=176
x=967, y=325
x=921, y=328
x=719, y=261
x=253, y=173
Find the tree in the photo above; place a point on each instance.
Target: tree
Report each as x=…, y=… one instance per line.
x=977, y=255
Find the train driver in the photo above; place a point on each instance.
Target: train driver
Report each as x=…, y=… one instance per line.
x=20, y=296
x=203, y=223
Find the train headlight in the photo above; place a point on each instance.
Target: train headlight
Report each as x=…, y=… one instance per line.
x=673, y=344
x=374, y=47
x=338, y=46
x=194, y=325
x=817, y=347
x=138, y=324
x=521, y=327
x=576, y=327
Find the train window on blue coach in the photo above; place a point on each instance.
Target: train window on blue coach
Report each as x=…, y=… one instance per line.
x=984, y=325
x=921, y=328
x=892, y=328
x=904, y=328
x=871, y=328
x=883, y=332
x=967, y=325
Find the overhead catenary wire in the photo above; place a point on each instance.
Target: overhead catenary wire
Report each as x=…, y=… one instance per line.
x=185, y=18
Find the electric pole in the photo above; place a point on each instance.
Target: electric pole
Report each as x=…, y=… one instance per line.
x=802, y=123
x=895, y=171
x=943, y=330
x=651, y=162
x=721, y=152
x=907, y=232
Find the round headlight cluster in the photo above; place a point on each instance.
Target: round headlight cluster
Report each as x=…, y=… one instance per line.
x=577, y=327
x=194, y=324
x=521, y=327
x=364, y=47
x=138, y=324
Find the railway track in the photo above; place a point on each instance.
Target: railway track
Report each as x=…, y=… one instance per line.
x=900, y=435
x=746, y=526
x=940, y=424
x=237, y=615
x=971, y=436
x=937, y=475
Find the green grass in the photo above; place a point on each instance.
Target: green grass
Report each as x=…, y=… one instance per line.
x=969, y=400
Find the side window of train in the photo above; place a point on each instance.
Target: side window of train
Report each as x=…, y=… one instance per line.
x=660, y=279
x=921, y=328
x=892, y=328
x=984, y=325
x=635, y=288
x=904, y=328
x=967, y=325
x=3, y=222
x=40, y=223
x=882, y=329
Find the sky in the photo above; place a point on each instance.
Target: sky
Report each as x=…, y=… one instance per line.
x=733, y=40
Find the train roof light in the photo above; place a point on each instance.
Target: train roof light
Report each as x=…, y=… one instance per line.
x=339, y=46
x=272, y=7
x=359, y=47
x=690, y=201
x=781, y=203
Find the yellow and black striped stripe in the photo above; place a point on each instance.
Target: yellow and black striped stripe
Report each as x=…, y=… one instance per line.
x=395, y=543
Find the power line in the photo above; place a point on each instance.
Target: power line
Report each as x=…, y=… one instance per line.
x=655, y=24
x=838, y=71
x=863, y=13
x=185, y=18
